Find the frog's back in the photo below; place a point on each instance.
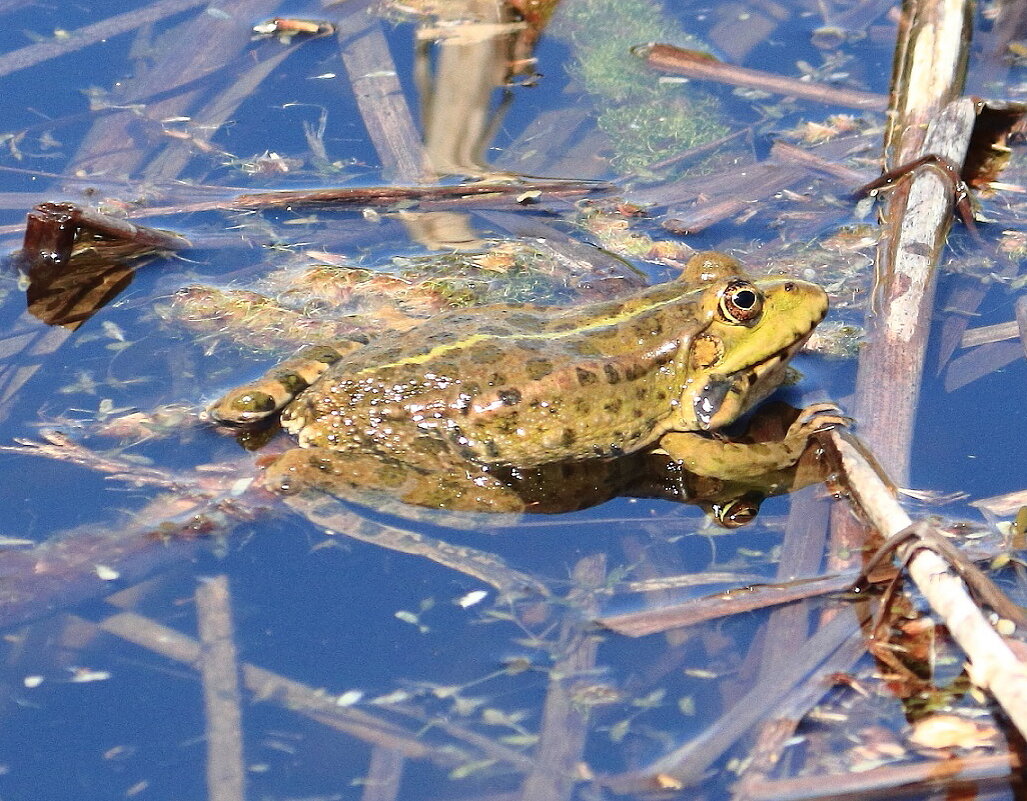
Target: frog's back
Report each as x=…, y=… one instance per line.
x=517, y=385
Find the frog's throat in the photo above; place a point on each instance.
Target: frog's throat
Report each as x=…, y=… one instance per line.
x=726, y=397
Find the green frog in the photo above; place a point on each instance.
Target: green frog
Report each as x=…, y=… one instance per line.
x=454, y=413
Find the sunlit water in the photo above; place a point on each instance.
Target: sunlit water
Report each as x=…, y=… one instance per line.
x=322, y=609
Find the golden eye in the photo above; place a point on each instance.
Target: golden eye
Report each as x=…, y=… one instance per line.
x=741, y=303
x=737, y=513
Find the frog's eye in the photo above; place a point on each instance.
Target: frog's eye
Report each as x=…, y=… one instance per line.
x=738, y=512
x=741, y=303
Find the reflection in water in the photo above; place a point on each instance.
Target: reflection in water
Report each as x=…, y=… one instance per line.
x=441, y=230
x=481, y=45
x=79, y=259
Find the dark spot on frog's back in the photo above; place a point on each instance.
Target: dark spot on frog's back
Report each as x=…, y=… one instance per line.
x=586, y=377
x=443, y=337
x=292, y=382
x=568, y=437
x=525, y=323
x=612, y=375
x=494, y=330
x=509, y=397
x=484, y=353
x=633, y=372
x=538, y=368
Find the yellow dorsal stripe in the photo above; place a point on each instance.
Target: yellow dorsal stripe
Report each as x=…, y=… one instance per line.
x=546, y=335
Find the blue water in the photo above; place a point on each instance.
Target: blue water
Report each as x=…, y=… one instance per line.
x=321, y=609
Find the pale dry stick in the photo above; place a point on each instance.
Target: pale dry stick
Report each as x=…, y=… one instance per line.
x=993, y=666
x=564, y=728
x=932, y=49
x=925, y=118
x=92, y=34
x=219, y=673
x=986, y=334
x=384, y=775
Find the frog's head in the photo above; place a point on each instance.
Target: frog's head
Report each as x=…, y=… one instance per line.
x=754, y=329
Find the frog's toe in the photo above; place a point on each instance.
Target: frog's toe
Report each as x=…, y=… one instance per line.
x=819, y=417
x=297, y=469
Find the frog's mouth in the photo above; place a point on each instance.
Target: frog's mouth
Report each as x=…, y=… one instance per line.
x=725, y=398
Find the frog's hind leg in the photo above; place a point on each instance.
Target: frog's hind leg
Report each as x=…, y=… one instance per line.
x=379, y=482
x=255, y=402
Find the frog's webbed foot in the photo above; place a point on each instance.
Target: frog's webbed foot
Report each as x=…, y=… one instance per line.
x=256, y=402
x=387, y=485
x=737, y=461
x=816, y=418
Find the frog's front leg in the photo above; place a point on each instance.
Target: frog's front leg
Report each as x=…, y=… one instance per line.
x=378, y=481
x=255, y=402
x=736, y=461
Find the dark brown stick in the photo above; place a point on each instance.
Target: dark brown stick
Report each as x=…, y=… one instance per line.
x=698, y=65
x=688, y=613
x=386, y=195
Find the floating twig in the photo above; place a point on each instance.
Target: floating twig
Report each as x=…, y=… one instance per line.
x=723, y=604
x=693, y=64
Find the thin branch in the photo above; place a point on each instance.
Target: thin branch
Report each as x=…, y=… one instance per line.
x=692, y=64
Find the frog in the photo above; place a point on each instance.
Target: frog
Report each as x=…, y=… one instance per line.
x=457, y=412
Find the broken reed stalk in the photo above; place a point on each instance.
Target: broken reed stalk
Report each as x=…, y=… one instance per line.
x=917, y=220
x=219, y=672
x=930, y=66
x=993, y=665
